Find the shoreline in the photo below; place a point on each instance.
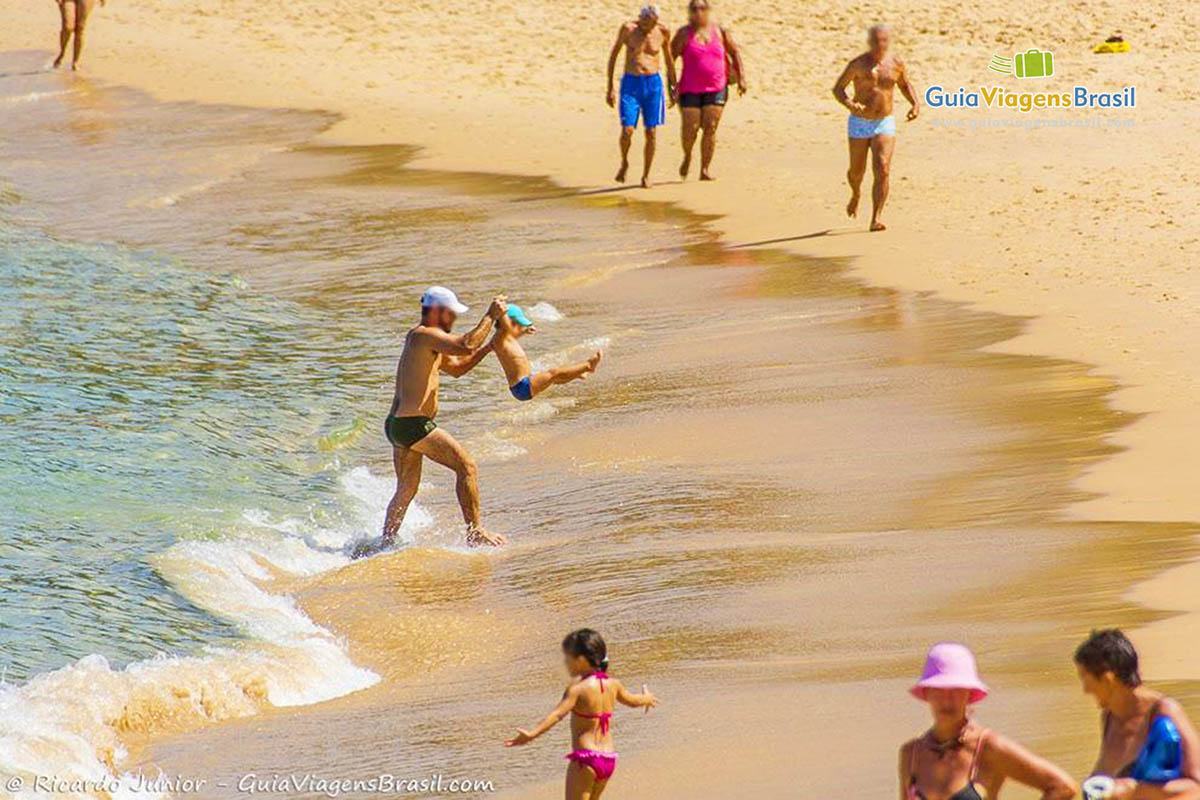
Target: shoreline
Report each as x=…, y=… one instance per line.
x=1145, y=481
x=769, y=161
x=1031, y=662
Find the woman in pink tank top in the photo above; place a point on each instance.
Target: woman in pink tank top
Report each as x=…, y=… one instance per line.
x=708, y=51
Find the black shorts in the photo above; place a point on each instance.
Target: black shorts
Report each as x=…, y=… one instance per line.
x=407, y=431
x=702, y=99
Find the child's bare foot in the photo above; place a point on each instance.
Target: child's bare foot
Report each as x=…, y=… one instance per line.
x=593, y=362
x=478, y=536
x=705, y=175
x=878, y=226
x=621, y=172
x=646, y=184
x=58, y=62
x=685, y=166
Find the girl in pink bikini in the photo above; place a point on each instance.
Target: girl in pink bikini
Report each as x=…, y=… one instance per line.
x=589, y=698
x=708, y=52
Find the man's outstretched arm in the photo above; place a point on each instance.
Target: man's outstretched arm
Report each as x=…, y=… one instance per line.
x=457, y=366
x=464, y=344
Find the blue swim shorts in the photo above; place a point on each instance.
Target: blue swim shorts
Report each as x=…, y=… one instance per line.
x=522, y=389
x=642, y=94
x=863, y=128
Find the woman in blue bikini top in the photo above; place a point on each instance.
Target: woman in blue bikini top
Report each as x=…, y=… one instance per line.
x=958, y=759
x=1146, y=741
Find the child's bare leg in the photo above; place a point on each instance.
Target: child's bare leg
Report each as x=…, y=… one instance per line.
x=542, y=380
x=580, y=782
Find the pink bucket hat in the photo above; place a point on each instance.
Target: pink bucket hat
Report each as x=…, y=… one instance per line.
x=950, y=665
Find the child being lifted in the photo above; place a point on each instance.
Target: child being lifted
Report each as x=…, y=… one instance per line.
x=523, y=382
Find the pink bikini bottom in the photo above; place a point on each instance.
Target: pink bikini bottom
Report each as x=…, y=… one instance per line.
x=602, y=764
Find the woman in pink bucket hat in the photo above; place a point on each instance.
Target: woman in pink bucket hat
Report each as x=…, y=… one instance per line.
x=957, y=758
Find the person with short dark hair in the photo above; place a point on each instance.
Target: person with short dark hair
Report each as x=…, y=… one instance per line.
x=1147, y=742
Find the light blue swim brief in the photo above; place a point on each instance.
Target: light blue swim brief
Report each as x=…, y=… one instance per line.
x=862, y=128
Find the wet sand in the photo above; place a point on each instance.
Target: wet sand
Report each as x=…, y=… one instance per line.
x=749, y=499
x=696, y=518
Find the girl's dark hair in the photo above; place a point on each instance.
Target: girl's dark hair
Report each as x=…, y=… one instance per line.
x=589, y=644
x=1110, y=651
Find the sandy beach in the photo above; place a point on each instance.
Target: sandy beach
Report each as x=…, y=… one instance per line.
x=1086, y=231
x=1066, y=423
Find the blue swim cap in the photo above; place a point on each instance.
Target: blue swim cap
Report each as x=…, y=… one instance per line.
x=518, y=316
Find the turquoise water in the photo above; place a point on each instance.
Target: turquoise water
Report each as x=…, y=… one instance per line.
x=144, y=402
x=199, y=326
x=198, y=332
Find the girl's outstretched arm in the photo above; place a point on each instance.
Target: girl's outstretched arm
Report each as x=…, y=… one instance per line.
x=643, y=700
x=561, y=710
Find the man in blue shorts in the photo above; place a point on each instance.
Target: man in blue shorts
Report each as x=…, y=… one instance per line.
x=642, y=92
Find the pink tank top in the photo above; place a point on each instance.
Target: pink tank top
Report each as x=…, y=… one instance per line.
x=704, y=64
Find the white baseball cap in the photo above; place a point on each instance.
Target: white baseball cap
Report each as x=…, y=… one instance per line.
x=441, y=297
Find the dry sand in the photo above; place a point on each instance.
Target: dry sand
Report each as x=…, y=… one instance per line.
x=1090, y=232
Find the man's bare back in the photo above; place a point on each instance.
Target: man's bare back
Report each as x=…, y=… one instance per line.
x=874, y=84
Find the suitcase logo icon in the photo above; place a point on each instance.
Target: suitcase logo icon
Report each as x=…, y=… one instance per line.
x=1034, y=64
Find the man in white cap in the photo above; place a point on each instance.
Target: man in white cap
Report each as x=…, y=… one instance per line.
x=642, y=94
x=429, y=348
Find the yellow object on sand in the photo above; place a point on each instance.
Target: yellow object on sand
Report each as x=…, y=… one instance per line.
x=1111, y=47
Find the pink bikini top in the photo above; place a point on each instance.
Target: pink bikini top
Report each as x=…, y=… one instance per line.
x=607, y=715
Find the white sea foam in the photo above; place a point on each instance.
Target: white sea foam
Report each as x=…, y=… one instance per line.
x=67, y=723
x=544, y=312
x=33, y=97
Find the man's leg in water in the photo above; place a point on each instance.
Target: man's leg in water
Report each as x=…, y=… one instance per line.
x=541, y=381
x=688, y=131
x=859, y=150
x=881, y=164
x=407, y=463
x=626, y=141
x=66, y=12
x=442, y=448
x=648, y=155
x=710, y=119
